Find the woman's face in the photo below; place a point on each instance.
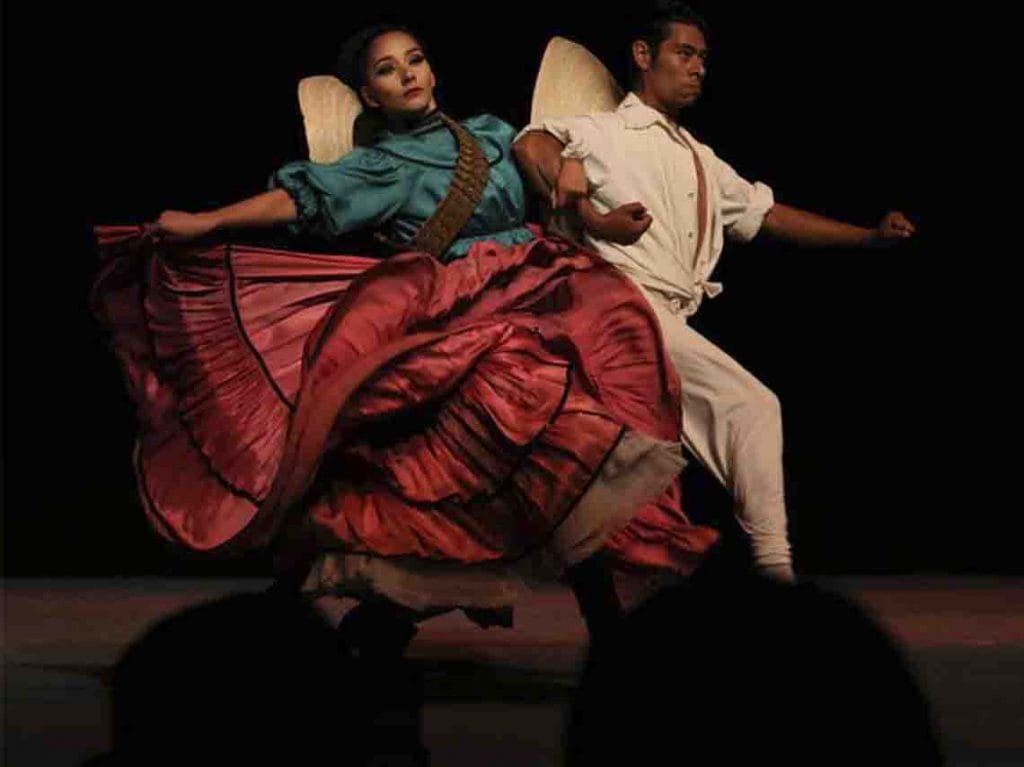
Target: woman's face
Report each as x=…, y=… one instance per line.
x=398, y=76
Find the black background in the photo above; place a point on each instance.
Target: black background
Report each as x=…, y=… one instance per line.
x=894, y=395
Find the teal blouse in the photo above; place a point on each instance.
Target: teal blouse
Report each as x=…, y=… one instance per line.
x=396, y=184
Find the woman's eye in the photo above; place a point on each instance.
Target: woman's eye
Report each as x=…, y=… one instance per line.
x=385, y=70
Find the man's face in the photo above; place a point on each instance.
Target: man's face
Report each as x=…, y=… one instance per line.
x=676, y=75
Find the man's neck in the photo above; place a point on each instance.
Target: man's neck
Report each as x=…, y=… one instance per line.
x=671, y=113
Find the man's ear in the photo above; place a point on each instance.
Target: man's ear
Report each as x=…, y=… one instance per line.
x=642, y=55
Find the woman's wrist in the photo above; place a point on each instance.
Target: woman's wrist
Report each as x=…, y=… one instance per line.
x=212, y=219
x=588, y=215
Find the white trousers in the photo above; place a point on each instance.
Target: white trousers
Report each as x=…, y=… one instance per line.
x=732, y=423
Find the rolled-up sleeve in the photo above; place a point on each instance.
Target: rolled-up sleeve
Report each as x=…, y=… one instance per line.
x=584, y=138
x=578, y=134
x=743, y=204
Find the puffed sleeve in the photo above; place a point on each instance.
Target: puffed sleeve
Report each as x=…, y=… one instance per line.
x=364, y=188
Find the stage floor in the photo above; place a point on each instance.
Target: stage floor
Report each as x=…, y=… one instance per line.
x=497, y=697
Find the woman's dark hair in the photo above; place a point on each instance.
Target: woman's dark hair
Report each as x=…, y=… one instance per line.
x=351, y=65
x=351, y=69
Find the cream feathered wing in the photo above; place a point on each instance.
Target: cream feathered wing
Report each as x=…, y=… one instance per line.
x=329, y=110
x=572, y=81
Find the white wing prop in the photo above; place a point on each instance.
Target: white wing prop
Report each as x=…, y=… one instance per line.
x=329, y=111
x=572, y=81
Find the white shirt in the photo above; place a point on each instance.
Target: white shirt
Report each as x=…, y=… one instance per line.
x=635, y=154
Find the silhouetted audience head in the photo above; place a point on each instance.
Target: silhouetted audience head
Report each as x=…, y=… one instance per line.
x=257, y=678
x=742, y=670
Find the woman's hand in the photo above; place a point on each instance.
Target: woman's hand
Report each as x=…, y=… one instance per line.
x=571, y=186
x=180, y=226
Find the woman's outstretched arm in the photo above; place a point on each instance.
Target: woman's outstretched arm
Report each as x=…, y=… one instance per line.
x=267, y=209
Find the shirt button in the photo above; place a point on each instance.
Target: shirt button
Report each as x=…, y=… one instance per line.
x=691, y=195
x=690, y=235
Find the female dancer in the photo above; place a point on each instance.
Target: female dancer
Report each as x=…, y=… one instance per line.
x=433, y=430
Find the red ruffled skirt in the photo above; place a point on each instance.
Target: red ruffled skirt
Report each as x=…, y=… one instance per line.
x=443, y=434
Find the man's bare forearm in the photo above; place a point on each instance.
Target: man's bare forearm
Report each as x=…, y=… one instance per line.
x=539, y=156
x=802, y=227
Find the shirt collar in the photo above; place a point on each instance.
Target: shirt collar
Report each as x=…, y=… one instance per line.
x=638, y=116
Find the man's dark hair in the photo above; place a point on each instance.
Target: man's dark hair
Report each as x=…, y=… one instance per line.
x=654, y=27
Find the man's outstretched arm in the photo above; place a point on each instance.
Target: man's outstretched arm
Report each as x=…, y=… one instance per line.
x=801, y=227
